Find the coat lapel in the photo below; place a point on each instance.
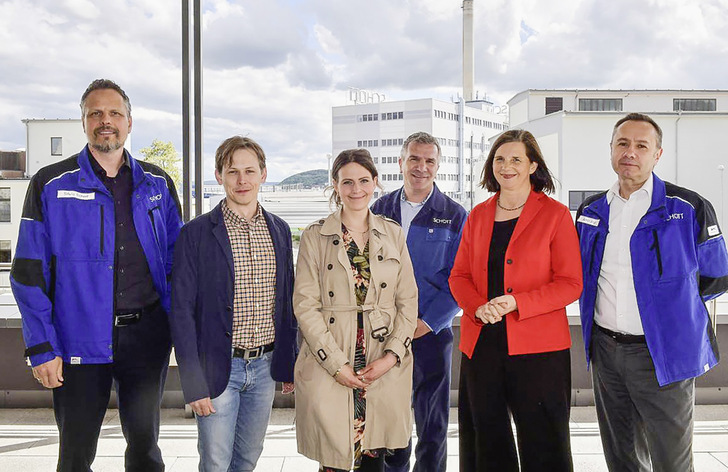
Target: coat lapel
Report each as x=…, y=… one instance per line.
x=220, y=232
x=533, y=206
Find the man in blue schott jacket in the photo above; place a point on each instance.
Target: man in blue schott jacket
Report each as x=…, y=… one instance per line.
x=90, y=277
x=433, y=224
x=652, y=254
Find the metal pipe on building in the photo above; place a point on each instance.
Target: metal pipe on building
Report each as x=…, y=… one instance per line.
x=197, y=60
x=468, y=51
x=186, y=188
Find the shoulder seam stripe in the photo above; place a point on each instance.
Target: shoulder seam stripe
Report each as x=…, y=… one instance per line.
x=681, y=199
x=159, y=177
x=59, y=176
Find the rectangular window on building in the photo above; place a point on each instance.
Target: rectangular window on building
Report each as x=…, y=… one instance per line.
x=693, y=104
x=600, y=104
x=56, y=146
x=5, y=251
x=554, y=104
x=4, y=205
x=577, y=197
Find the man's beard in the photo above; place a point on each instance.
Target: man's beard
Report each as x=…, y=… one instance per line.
x=109, y=145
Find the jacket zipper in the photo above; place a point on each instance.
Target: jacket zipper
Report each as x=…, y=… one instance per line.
x=101, y=235
x=593, y=252
x=656, y=247
x=154, y=228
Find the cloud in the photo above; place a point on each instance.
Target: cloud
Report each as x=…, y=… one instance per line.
x=273, y=69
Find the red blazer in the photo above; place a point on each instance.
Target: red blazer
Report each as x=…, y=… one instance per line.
x=542, y=272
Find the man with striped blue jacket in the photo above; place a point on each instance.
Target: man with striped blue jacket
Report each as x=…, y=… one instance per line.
x=652, y=254
x=90, y=276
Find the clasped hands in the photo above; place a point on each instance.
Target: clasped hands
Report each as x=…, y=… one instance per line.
x=496, y=308
x=365, y=377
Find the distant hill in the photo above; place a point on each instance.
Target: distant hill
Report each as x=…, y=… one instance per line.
x=309, y=178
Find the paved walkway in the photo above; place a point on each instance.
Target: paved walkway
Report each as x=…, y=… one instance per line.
x=29, y=442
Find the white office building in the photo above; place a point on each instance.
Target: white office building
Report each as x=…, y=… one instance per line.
x=462, y=129
x=574, y=128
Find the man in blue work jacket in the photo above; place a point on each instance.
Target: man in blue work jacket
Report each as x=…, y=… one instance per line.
x=652, y=254
x=90, y=277
x=433, y=224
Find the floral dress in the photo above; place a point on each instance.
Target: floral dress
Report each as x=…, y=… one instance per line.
x=359, y=261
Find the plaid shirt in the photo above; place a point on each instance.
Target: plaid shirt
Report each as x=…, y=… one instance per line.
x=255, y=278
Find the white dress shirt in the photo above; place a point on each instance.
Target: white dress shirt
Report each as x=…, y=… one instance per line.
x=616, y=304
x=409, y=210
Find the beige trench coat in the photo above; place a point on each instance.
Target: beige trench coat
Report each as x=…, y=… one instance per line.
x=325, y=306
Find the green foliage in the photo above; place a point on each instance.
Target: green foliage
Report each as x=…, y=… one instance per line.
x=164, y=155
x=309, y=178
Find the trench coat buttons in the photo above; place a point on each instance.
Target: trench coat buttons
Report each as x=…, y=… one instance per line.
x=336, y=242
x=321, y=222
x=380, y=257
x=322, y=354
x=330, y=266
x=509, y=261
x=384, y=285
x=331, y=320
x=331, y=294
x=509, y=290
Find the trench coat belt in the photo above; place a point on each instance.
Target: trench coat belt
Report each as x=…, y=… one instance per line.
x=380, y=328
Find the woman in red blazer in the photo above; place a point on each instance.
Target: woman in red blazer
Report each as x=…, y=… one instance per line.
x=517, y=268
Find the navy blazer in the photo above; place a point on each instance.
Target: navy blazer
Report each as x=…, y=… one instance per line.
x=201, y=319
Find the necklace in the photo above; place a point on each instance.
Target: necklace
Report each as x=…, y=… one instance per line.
x=351, y=230
x=509, y=209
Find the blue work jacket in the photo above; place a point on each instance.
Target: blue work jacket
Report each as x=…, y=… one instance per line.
x=679, y=261
x=63, y=271
x=432, y=241
x=203, y=291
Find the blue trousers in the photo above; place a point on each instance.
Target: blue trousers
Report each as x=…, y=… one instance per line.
x=231, y=440
x=141, y=356
x=431, y=401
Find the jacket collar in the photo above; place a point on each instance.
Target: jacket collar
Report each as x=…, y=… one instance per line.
x=87, y=178
x=436, y=200
x=332, y=224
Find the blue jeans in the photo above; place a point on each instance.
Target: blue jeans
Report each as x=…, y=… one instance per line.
x=232, y=438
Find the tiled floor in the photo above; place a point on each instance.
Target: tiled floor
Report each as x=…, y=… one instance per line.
x=29, y=442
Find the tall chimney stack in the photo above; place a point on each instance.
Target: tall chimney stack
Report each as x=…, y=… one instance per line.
x=468, y=51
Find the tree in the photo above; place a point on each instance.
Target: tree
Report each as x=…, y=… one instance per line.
x=164, y=155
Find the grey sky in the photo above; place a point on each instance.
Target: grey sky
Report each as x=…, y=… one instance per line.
x=274, y=68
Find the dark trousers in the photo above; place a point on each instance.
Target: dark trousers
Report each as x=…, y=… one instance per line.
x=141, y=357
x=431, y=401
x=534, y=388
x=643, y=426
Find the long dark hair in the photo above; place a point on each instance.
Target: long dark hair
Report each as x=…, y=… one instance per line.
x=541, y=179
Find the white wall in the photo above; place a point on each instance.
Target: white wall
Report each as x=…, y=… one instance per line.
x=9, y=231
x=39, y=133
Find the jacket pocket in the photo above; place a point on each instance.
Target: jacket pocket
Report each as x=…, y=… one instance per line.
x=593, y=252
x=656, y=247
x=154, y=226
x=101, y=229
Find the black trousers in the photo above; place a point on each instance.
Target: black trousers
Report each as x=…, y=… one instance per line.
x=534, y=388
x=138, y=373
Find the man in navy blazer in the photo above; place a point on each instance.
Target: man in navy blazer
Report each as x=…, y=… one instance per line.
x=232, y=318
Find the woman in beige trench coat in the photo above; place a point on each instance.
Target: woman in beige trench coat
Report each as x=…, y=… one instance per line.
x=357, y=311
